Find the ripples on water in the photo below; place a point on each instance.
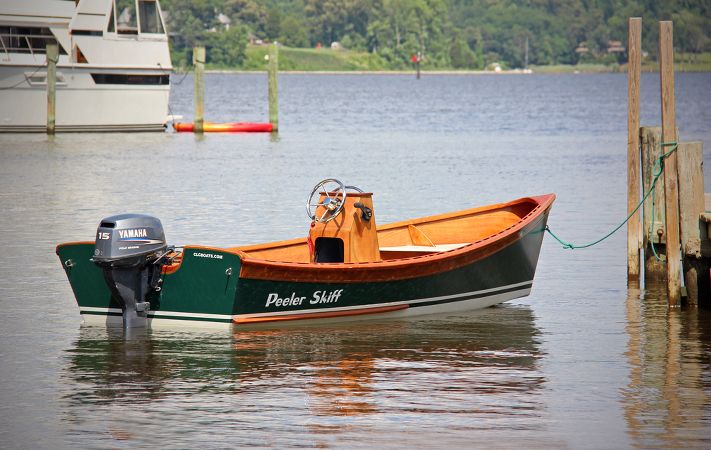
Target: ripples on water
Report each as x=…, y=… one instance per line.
x=581, y=363
x=310, y=387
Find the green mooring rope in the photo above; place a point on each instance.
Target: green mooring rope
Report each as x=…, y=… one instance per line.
x=658, y=170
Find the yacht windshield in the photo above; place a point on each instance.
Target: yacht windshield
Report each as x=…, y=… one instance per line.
x=126, y=22
x=149, y=16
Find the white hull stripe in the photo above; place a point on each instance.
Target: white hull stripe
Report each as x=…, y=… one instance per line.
x=92, y=309
x=522, y=288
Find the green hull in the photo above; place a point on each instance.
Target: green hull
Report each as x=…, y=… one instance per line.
x=208, y=287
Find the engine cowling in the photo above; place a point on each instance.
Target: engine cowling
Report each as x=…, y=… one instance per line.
x=130, y=249
x=127, y=239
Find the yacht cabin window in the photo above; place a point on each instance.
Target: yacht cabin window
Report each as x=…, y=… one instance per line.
x=149, y=16
x=111, y=28
x=127, y=19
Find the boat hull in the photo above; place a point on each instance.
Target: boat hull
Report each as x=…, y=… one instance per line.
x=217, y=287
x=81, y=105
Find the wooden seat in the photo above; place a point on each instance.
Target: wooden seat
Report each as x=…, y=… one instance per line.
x=423, y=248
x=409, y=251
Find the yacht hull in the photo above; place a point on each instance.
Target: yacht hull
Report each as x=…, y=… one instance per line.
x=81, y=103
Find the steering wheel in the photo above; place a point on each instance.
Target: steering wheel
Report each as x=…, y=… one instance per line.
x=333, y=202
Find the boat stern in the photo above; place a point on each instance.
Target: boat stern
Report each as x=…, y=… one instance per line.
x=197, y=287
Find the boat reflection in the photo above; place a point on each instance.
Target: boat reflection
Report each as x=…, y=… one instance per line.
x=482, y=362
x=666, y=400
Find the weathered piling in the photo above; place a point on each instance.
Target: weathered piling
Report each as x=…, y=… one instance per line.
x=654, y=229
x=695, y=244
x=669, y=135
x=675, y=225
x=52, y=58
x=417, y=64
x=272, y=69
x=693, y=230
x=634, y=232
x=199, y=98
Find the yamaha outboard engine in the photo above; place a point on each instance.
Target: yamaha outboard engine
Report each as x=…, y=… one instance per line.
x=130, y=249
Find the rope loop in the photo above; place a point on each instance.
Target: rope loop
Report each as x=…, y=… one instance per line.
x=658, y=170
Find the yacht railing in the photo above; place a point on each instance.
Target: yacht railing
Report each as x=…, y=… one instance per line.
x=7, y=55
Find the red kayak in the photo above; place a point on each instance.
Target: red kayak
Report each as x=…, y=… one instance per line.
x=242, y=127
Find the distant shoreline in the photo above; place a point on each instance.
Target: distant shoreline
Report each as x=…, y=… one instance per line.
x=343, y=62
x=543, y=70
x=375, y=72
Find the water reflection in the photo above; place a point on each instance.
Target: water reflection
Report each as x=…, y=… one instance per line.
x=667, y=350
x=475, y=371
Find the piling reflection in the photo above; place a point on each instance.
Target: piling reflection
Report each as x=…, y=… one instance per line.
x=667, y=396
x=478, y=366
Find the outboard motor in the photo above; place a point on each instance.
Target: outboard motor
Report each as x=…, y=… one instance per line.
x=130, y=249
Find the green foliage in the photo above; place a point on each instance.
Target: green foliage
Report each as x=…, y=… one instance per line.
x=272, y=27
x=462, y=34
x=293, y=32
x=461, y=56
x=226, y=48
x=303, y=59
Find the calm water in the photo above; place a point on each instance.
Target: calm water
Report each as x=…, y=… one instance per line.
x=582, y=362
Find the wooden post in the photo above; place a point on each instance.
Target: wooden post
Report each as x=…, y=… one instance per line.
x=272, y=69
x=417, y=63
x=199, y=63
x=634, y=230
x=654, y=231
x=52, y=57
x=691, y=206
x=671, y=188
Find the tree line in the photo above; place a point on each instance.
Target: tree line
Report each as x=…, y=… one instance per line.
x=466, y=34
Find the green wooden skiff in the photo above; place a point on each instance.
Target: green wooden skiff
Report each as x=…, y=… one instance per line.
x=346, y=269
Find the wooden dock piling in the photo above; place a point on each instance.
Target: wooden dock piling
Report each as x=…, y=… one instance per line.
x=653, y=227
x=417, y=64
x=272, y=69
x=676, y=226
x=52, y=58
x=199, y=95
x=671, y=193
x=634, y=231
x=693, y=230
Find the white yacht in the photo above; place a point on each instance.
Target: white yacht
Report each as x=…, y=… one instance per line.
x=113, y=72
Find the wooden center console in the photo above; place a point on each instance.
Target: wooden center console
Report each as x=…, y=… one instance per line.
x=357, y=234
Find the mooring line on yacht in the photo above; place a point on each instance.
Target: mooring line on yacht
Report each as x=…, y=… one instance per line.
x=26, y=80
